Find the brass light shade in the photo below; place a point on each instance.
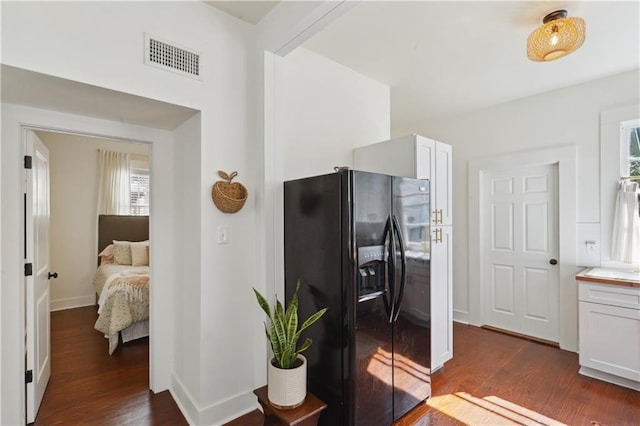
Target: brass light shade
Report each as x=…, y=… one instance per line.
x=556, y=37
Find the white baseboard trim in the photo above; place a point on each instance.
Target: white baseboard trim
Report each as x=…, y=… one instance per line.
x=185, y=401
x=611, y=378
x=72, y=302
x=217, y=413
x=223, y=411
x=461, y=316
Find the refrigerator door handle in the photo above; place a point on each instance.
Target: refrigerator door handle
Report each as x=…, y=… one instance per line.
x=403, y=269
x=388, y=296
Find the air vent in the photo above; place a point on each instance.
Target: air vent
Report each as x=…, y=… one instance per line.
x=161, y=54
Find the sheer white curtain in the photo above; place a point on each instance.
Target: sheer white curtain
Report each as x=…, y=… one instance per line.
x=114, y=187
x=626, y=224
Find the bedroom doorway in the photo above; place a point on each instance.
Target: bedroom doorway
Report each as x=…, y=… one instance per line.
x=73, y=237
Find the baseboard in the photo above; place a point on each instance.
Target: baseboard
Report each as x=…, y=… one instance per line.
x=217, y=413
x=611, y=378
x=72, y=302
x=461, y=316
x=185, y=401
x=231, y=408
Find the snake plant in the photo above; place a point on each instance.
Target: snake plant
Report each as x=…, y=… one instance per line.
x=283, y=332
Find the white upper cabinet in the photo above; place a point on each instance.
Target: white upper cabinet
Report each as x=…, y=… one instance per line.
x=418, y=157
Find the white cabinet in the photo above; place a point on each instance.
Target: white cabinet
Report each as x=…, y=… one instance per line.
x=609, y=333
x=419, y=157
x=442, y=299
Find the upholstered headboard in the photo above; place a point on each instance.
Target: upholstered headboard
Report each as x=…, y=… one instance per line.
x=123, y=228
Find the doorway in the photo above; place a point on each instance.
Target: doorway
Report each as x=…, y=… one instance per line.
x=564, y=157
x=520, y=249
x=72, y=240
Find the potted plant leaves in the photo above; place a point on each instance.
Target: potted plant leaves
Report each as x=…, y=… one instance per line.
x=287, y=370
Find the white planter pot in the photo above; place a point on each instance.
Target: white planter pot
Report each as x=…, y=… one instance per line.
x=287, y=389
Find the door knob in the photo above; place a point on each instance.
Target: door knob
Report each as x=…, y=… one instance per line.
x=553, y=261
x=54, y=275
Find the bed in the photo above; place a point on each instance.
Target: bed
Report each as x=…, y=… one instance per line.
x=121, y=280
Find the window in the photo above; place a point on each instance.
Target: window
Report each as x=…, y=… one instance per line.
x=139, y=180
x=630, y=150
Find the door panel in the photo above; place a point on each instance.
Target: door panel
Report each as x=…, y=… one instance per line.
x=503, y=300
x=37, y=285
x=536, y=224
x=537, y=303
x=502, y=221
x=441, y=298
x=520, y=221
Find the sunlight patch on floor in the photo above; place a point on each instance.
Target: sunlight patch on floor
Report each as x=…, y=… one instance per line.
x=410, y=377
x=490, y=410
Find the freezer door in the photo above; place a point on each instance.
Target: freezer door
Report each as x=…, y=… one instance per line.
x=412, y=316
x=313, y=255
x=373, y=373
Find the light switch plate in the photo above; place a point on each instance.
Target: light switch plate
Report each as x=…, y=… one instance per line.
x=223, y=234
x=588, y=244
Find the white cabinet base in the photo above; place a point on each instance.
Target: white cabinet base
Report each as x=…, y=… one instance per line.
x=609, y=333
x=611, y=378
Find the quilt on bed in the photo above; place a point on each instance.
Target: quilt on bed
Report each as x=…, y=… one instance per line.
x=123, y=301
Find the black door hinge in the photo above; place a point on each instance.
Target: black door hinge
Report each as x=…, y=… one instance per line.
x=28, y=269
x=28, y=376
x=27, y=161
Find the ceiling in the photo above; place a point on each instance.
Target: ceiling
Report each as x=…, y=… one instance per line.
x=249, y=11
x=444, y=58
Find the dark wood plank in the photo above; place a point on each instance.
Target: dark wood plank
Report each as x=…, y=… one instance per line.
x=497, y=379
x=88, y=386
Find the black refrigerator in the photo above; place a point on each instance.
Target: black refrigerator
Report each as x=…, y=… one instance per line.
x=358, y=242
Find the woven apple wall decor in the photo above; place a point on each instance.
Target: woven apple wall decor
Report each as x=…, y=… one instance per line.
x=228, y=196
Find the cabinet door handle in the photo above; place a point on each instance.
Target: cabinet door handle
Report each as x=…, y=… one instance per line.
x=437, y=235
x=437, y=217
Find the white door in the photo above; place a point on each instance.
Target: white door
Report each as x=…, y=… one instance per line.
x=37, y=285
x=520, y=250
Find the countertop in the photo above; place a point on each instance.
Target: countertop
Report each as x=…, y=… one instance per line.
x=580, y=276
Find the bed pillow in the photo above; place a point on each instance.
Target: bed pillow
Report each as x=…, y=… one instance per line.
x=122, y=252
x=106, y=255
x=140, y=253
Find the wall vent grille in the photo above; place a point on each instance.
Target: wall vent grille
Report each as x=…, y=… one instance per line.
x=168, y=56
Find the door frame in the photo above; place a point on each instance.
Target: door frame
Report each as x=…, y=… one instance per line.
x=16, y=120
x=565, y=157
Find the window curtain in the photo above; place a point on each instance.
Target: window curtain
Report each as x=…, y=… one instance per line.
x=114, y=187
x=626, y=224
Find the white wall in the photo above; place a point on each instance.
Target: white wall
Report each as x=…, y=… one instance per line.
x=73, y=163
x=328, y=110
x=105, y=48
x=566, y=116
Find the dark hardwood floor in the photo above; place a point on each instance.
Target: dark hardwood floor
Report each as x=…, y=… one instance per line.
x=90, y=387
x=494, y=379
x=497, y=379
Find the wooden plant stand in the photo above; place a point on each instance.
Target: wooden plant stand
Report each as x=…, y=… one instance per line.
x=305, y=415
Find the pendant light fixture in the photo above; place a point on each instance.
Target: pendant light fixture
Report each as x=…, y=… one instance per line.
x=556, y=37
